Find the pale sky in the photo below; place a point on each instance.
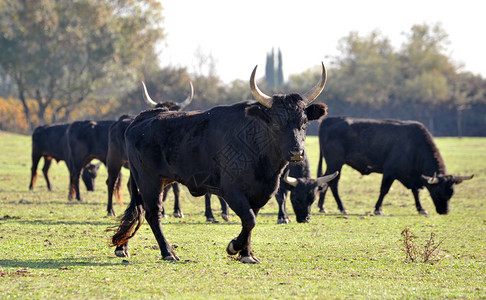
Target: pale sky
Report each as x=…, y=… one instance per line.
x=238, y=34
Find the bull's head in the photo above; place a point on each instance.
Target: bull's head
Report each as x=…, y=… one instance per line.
x=170, y=105
x=89, y=174
x=286, y=116
x=441, y=189
x=303, y=193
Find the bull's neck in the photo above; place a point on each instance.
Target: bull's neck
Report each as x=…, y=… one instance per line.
x=433, y=162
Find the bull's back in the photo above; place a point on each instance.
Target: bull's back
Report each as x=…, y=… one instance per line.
x=50, y=140
x=370, y=145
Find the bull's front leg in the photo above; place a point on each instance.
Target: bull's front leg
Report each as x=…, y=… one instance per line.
x=283, y=217
x=418, y=205
x=242, y=243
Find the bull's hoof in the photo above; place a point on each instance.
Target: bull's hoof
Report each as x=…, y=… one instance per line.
x=230, y=249
x=323, y=210
x=211, y=220
x=283, y=221
x=249, y=260
x=379, y=212
x=423, y=212
x=345, y=212
x=225, y=217
x=122, y=252
x=111, y=214
x=178, y=214
x=172, y=257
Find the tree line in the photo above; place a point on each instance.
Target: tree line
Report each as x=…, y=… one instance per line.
x=62, y=61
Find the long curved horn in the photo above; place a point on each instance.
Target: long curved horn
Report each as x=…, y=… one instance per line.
x=311, y=95
x=188, y=99
x=259, y=95
x=290, y=180
x=431, y=180
x=459, y=179
x=325, y=179
x=146, y=96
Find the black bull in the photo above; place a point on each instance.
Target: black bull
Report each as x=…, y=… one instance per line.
x=400, y=150
x=116, y=157
x=237, y=152
x=49, y=141
x=86, y=140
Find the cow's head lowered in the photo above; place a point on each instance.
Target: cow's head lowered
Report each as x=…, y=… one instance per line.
x=89, y=174
x=441, y=189
x=286, y=116
x=303, y=193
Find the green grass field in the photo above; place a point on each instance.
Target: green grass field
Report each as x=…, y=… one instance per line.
x=53, y=248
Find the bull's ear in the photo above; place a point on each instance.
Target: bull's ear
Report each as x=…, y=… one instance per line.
x=256, y=111
x=316, y=111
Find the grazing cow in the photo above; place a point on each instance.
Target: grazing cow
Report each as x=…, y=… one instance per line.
x=86, y=140
x=88, y=174
x=400, y=150
x=49, y=141
x=117, y=157
x=296, y=178
x=237, y=152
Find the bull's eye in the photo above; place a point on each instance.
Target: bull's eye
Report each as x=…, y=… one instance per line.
x=276, y=125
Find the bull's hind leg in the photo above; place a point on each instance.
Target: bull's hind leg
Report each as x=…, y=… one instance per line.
x=153, y=203
x=45, y=170
x=33, y=170
x=114, y=178
x=224, y=209
x=122, y=251
x=177, y=204
x=208, y=211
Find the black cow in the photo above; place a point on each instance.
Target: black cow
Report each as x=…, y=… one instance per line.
x=49, y=141
x=400, y=150
x=117, y=157
x=86, y=140
x=237, y=152
x=303, y=190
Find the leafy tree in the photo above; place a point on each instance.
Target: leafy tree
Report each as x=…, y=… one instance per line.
x=426, y=70
x=366, y=69
x=466, y=89
x=61, y=52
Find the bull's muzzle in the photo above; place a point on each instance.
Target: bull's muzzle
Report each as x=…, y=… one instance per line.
x=296, y=155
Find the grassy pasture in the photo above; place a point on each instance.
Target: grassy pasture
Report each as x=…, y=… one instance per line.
x=53, y=248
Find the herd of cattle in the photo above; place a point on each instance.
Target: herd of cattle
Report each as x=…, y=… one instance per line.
x=243, y=153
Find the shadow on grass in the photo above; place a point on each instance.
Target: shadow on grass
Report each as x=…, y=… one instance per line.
x=60, y=222
x=68, y=263
x=59, y=263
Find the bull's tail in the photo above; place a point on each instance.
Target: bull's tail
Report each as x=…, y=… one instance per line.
x=132, y=219
x=319, y=166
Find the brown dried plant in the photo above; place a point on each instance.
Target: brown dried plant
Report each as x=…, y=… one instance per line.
x=430, y=253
